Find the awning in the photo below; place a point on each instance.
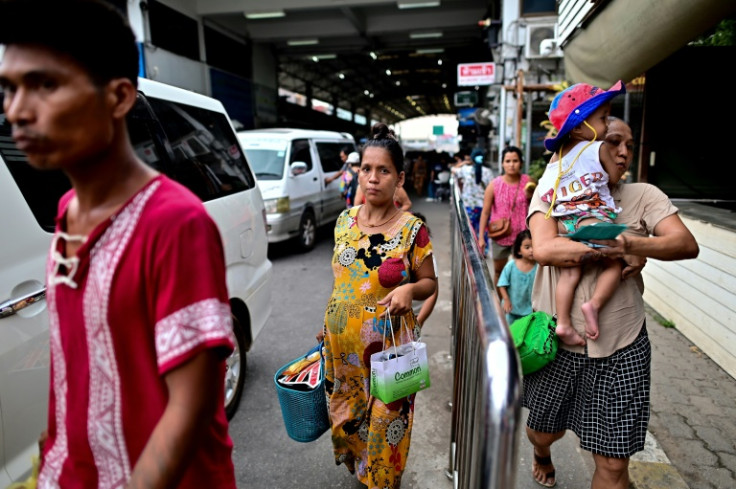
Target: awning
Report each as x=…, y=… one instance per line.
x=627, y=37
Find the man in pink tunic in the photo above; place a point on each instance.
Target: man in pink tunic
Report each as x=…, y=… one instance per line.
x=139, y=317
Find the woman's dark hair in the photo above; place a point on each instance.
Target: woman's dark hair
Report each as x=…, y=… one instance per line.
x=92, y=32
x=385, y=138
x=525, y=234
x=512, y=149
x=478, y=172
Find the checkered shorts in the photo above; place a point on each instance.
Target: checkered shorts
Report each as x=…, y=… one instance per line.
x=605, y=401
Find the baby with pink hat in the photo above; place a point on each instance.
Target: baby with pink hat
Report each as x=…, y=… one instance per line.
x=575, y=184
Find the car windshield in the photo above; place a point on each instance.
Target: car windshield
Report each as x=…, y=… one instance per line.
x=266, y=158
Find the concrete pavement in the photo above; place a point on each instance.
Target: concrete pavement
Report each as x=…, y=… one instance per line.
x=692, y=432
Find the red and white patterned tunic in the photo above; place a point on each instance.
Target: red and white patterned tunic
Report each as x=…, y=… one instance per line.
x=147, y=294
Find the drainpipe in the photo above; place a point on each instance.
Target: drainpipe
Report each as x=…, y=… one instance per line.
x=528, y=149
x=519, y=106
x=502, y=128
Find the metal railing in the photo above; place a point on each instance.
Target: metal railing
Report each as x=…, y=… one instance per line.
x=486, y=404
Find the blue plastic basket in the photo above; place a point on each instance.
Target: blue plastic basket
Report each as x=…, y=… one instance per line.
x=304, y=412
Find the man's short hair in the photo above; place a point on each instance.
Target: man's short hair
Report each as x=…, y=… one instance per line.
x=93, y=32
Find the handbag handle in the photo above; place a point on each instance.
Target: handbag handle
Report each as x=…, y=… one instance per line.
x=513, y=201
x=550, y=336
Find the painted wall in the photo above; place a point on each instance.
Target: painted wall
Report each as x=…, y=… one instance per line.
x=699, y=296
x=167, y=67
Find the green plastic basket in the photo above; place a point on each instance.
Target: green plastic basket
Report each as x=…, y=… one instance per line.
x=304, y=412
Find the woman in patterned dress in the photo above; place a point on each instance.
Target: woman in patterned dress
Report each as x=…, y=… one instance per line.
x=380, y=261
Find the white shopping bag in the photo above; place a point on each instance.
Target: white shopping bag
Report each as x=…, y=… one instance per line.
x=399, y=370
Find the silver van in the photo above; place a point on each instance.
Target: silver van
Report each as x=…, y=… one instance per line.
x=291, y=166
x=190, y=138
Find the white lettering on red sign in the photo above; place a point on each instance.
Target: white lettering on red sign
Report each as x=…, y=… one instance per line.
x=476, y=74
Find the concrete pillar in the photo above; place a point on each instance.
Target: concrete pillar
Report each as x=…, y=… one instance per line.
x=308, y=93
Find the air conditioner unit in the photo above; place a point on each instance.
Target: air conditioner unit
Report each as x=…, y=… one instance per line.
x=541, y=41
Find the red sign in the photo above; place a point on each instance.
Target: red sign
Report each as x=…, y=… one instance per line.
x=471, y=74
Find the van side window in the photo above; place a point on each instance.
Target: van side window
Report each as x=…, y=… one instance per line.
x=41, y=188
x=207, y=157
x=329, y=155
x=147, y=136
x=300, y=152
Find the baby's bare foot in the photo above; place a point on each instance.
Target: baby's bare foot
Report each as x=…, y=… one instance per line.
x=569, y=336
x=590, y=312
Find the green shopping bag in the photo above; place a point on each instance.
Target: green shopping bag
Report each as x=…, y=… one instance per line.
x=535, y=340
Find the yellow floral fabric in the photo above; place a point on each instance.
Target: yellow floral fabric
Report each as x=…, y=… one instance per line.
x=368, y=436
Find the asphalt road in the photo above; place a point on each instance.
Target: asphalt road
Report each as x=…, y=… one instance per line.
x=264, y=455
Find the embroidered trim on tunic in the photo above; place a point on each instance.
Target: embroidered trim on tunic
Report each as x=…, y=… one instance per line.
x=104, y=418
x=54, y=458
x=195, y=324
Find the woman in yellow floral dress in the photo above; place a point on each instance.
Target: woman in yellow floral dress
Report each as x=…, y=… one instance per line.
x=380, y=260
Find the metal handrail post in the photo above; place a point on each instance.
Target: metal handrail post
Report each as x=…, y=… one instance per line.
x=486, y=403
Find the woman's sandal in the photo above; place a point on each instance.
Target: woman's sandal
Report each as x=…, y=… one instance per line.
x=547, y=475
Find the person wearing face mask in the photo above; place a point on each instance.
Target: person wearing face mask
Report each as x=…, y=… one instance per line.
x=601, y=391
x=473, y=179
x=507, y=196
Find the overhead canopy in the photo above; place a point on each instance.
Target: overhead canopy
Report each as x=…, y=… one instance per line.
x=366, y=56
x=627, y=37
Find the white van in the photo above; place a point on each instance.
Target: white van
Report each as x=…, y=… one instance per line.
x=291, y=166
x=182, y=134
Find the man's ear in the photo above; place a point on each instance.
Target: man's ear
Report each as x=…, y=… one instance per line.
x=121, y=95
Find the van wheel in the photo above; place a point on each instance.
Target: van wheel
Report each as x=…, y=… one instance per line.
x=307, y=231
x=235, y=372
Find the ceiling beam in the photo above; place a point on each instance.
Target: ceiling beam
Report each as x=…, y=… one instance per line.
x=208, y=7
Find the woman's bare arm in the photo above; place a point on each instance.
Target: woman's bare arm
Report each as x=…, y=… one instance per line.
x=358, y=199
x=505, y=300
x=551, y=249
x=428, y=306
x=633, y=265
x=402, y=198
x=400, y=299
x=672, y=240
